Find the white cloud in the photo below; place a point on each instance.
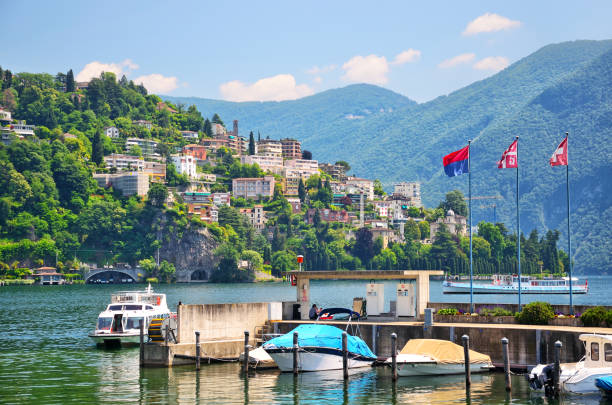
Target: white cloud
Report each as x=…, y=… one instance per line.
x=457, y=60
x=316, y=70
x=369, y=69
x=93, y=69
x=275, y=88
x=494, y=63
x=490, y=22
x=411, y=55
x=156, y=83
x=317, y=80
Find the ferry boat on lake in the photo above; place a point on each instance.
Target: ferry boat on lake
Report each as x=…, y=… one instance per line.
x=119, y=323
x=509, y=284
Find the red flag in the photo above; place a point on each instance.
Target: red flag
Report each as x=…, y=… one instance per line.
x=559, y=158
x=509, y=159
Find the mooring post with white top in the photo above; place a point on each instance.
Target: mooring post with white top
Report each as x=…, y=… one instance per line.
x=466, y=354
x=295, y=352
x=141, y=343
x=394, y=355
x=197, y=344
x=557, y=369
x=504, y=342
x=245, y=361
x=344, y=355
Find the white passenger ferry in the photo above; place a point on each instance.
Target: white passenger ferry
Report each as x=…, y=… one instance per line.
x=119, y=324
x=508, y=284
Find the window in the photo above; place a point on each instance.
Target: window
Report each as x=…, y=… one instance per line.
x=133, y=307
x=608, y=352
x=104, y=323
x=595, y=351
x=115, y=308
x=133, y=323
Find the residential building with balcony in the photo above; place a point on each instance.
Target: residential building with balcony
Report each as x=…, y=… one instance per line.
x=148, y=146
x=256, y=216
x=356, y=184
x=337, y=172
x=220, y=199
x=273, y=164
x=197, y=151
x=253, y=188
x=292, y=148
x=21, y=128
x=124, y=162
x=5, y=115
x=410, y=190
x=269, y=147
x=185, y=164
x=143, y=123
x=190, y=135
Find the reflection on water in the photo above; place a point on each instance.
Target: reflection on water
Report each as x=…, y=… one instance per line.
x=46, y=357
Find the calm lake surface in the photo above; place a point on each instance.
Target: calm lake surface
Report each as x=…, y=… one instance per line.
x=46, y=356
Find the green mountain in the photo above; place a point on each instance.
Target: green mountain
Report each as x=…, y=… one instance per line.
x=561, y=87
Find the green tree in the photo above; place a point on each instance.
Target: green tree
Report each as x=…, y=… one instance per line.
x=378, y=188
x=455, y=201
x=97, y=149
x=157, y=194
x=364, y=245
x=412, y=230
x=217, y=120
x=301, y=191
x=70, y=85
x=149, y=267
x=254, y=258
x=135, y=150
x=424, y=227
x=251, y=144
x=444, y=248
x=344, y=164
x=167, y=271
x=494, y=237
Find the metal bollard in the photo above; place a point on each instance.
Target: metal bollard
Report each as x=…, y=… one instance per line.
x=466, y=354
x=295, y=352
x=141, y=343
x=197, y=344
x=344, y=356
x=394, y=355
x=557, y=370
x=504, y=342
x=245, y=362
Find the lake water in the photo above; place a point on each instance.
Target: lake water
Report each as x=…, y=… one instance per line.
x=46, y=356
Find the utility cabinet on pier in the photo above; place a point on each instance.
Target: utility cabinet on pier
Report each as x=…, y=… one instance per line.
x=375, y=298
x=406, y=303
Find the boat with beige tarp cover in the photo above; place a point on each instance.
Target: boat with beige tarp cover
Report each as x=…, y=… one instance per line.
x=437, y=357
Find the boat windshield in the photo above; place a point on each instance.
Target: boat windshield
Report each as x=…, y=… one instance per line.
x=133, y=307
x=133, y=323
x=104, y=323
x=115, y=307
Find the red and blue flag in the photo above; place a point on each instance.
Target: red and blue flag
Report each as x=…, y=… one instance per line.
x=456, y=163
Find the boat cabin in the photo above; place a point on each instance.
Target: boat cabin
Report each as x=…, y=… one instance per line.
x=509, y=279
x=598, y=350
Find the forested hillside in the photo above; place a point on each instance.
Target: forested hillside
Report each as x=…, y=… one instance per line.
x=562, y=87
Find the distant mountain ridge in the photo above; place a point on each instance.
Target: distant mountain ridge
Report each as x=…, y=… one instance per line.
x=561, y=87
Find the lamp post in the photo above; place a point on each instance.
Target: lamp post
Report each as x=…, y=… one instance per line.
x=300, y=260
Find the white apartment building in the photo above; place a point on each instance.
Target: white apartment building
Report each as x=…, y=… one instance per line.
x=21, y=128
x=111, y=132
x=270, y=163
x=269, y=147
x=253, y=187
x=356, y=185
x=411, y=190
x=124, y=162
x=147, y=146
x=185, y=164
x=220, y=199
x=190, y=135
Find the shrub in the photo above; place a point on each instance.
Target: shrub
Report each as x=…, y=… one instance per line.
x=536, y=313
x=497, y=311
x=448, y=311
x=594, y=316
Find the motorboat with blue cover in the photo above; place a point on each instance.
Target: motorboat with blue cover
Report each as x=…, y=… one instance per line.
x=605, y=385
x=319, y=348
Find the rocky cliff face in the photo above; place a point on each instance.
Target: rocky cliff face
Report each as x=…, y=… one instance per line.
x=191, y=251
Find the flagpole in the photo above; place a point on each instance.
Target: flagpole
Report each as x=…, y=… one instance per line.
x=569, y=237
x=470, y=209
x=518, y=228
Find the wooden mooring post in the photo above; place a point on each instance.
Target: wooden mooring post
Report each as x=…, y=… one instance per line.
x=466, y=355
x=394, y=355
x=344, y=356
x=557, y=368
x=245, y=361
x=504, y=342
x=141, y=343
x=295, y=352
x=197, y=344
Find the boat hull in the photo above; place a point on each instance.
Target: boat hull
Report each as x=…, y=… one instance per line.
x=115, y=339
x=464, y=288
x=583, y=381
x=421, y=369
x=312, y=359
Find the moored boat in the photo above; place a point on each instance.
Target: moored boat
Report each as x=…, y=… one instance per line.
x=119, y=323
x=319, y=348
x=437, y=357
x=509, y=284
x=580, y=377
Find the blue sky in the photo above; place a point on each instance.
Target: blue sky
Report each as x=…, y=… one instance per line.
x=275, y=50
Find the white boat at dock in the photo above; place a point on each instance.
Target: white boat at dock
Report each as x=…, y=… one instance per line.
x=509, y=284
x=580, y=377
x=119, y=323
x=319, y=349
x=421, y=357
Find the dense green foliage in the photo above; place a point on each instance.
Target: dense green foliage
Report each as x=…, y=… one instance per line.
x=596, y=316
x=561, y=87
x=536, y=313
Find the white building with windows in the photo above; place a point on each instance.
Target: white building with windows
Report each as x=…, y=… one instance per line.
x=111, y=132
x=190, y=135
x=185, y=164
x=410, y=190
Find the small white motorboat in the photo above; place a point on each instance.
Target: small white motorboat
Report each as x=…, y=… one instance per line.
x=437, y=357
x=319, y=348
x=119, y=323
x=580, y=377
